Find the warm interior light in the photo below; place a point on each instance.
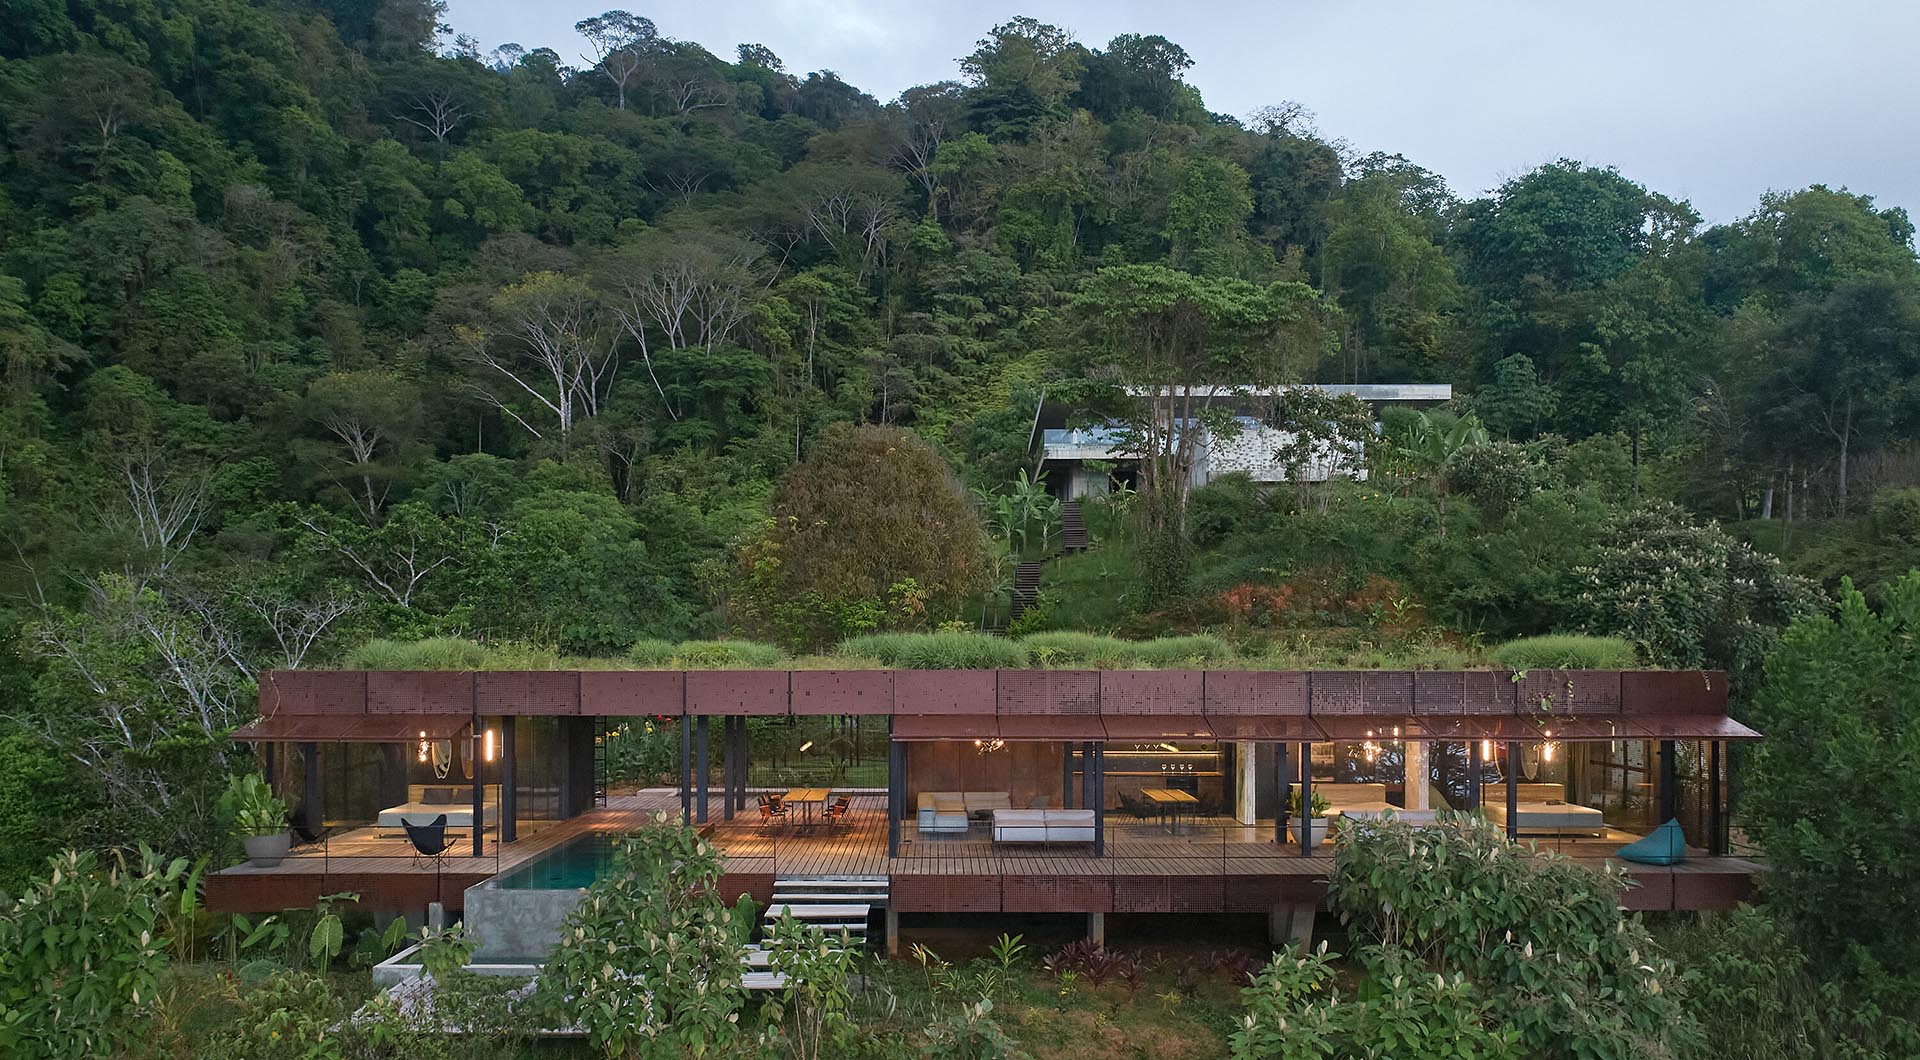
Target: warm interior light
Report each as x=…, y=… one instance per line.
x=425, y=748
x=805, y=747
x=1486, y=750
x=1546, y=751
x=486, y=747
x=1170, y=747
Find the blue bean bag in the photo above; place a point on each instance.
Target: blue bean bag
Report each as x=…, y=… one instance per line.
x=1665, y=845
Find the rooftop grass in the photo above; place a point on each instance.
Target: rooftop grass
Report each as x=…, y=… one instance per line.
x=1060, y=649
x=1565, y=651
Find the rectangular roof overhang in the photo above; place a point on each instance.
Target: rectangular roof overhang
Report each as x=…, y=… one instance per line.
x=352, y=728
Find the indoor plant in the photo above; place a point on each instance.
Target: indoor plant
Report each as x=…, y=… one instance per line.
x=1317, y=822
x=260, y=818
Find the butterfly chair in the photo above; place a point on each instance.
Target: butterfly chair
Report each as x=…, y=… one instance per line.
x=770, y=811
x=308, y=832
x=429, y=840
x=837, y=813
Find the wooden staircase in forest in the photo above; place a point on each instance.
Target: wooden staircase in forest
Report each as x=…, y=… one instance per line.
x=1026, y=589
x=1073, y=527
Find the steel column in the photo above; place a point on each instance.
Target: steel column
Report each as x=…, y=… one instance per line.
x=703, y=764
x=1284, y=787
x=726, y=767
x=1476, y=769
x=310, y=787
x=1066, y=775
x=479, y=825
x=509, y=782
x=1306, y=799
x=1668, y=794
x=896, y=789
x=686, y=770
x=1716, y=820
x=1513, y=789
x=1086, y=775
x=1100, y=800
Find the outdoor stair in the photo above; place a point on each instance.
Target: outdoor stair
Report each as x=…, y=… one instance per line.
x=1026, y=589
x=1073, y=527
x=831, y=903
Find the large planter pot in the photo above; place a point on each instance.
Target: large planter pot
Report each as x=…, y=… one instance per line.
x=1318, y=829
x=266, y=851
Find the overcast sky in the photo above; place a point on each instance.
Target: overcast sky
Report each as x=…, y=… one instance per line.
x=1708, y=100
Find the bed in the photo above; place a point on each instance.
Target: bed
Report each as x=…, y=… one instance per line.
x=427, y=801
x=1542, y=810
x=1366, y=802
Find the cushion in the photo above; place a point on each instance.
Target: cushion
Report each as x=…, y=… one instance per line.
x=949, y=802
x=1665, y=845
x=437, y=796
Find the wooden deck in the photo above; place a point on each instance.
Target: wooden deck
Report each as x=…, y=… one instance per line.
x=1209, y=866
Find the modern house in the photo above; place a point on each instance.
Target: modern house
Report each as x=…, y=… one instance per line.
x=1003, y=791
x=1086, y=460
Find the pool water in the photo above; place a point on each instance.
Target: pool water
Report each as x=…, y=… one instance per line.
x=573, y=864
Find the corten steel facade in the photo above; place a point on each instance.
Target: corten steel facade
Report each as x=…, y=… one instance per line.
x=1082, y=710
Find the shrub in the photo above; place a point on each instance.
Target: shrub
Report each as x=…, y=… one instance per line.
x=1189, y=650
x=1564, y=651
x=705, y=655
x=1295, y=1009
x=937, y=651
x=433, y=653
x=1074, y=648
x=1540, y=934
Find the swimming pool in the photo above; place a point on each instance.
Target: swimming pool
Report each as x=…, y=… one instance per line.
x=570, y=866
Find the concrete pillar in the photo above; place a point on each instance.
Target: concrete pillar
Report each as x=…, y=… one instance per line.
x=1246, y=761
x=1291, y=922
x=1097, y=928
x=893, y=932
x=896, y=790
x=1416, y=758
x=1302, y=928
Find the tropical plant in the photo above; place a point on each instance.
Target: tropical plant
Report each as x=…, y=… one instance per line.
x=1320, y=804
x=812, y=1009
x=649, y=962
x=252, y=806
x=81, y=952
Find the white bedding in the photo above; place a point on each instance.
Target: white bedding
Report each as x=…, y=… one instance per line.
x=459, y=815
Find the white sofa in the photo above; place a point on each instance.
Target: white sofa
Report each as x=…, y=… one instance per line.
x=951, y=811
x=1542, y=809
x=1367, y=802
x=428, y=801
x=1043, y=826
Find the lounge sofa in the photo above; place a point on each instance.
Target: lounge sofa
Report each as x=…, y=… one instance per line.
x=1542, y=810
x=1043, y=826
x=1366, y=802
x=952, y=811
x=427, y=801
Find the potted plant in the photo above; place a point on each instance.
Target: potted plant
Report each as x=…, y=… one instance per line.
x=260, y=818
x=1316, y=823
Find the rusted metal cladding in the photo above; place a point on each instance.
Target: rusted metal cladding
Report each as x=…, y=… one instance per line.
x=843, y=691
x=1268, y=692
x=1463, y=692
x=419, y=692
x=1384, y=692
x=913, y=893
x=313, y=692
x=1570, y=692
x=528, y=691
x=755, y=692
x=944, y=691
x=1049, y=692
x=632, y=693
x=1152, y=692
x=1673, y=692
x=1056, y=894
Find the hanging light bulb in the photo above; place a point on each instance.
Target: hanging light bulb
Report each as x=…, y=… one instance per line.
x=425, y=747
x=1546, y=752
x=1486, y=750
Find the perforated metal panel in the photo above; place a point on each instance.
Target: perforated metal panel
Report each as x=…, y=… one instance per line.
x=756, y=692
x=529, y=691
x=313, y=692
x=944, y=691
x=1570, y=692
x=419, y=692
x=1360, y=692
x=1463, y=692
x=1256, y=692
x=631, y=693
x=1673, y=692
x=1152, y=692
x=1049, y=692
x=843, y=691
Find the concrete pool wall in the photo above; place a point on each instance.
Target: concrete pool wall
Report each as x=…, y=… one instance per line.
x=516, y=924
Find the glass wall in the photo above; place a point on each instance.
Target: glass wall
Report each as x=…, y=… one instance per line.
x=539, y=762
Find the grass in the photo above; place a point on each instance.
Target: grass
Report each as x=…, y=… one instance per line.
x=937, y=651
x=705, y=655
x=1565, y=651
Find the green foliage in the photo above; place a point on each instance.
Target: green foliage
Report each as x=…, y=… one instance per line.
x=649, y=962
x=705, y=655
x=1541, y=937
x=812, y=1011
x=1319, y=805
x=432, y=653
x=1562, y=651
x=937, y=651
x=252, y=806
x=1835, y=704
x=1296, y=1010
x=81, y=951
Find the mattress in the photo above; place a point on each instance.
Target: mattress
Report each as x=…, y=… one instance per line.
x=419, y=813
x=1545, y=817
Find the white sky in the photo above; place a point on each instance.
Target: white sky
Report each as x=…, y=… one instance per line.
x=1713, y=101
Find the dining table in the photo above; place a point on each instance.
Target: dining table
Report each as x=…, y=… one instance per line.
x=1171, y=803
x=809, y=800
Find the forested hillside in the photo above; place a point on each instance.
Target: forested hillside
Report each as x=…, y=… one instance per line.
x=318, y=326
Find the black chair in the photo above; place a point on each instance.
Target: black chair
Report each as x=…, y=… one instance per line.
x=306, y=832
x=429, y=840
